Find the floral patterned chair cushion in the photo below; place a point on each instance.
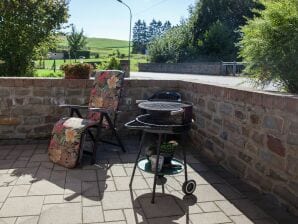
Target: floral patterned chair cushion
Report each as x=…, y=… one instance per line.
x=105, y=94
x=64, y=148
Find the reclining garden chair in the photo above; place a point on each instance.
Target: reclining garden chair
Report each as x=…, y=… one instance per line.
x=69, y=133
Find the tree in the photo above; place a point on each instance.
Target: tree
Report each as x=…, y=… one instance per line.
x=24, y=26
x=270, y=44
x=166, y=26
x=173, y=46
x=76, y=40
x=140, y=39
x=231, y=14
x=216, y=42
x=155, y=29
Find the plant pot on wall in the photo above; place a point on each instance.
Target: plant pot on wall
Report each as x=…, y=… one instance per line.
x=76, y=71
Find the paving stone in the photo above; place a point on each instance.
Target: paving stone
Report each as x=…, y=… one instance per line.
x=191, y=176
x=228, y=191
x=92, y=214
x=27, y=176
x=117, y=200
x=122, y=183
x=74, y=187
x=228, y=208
x=209, y=207
x=209, y=218
x=104, y=174
x=207, y=193
x=172, y=219
x=241, y=219
x=118, y=171
x=114, y=215
x=129, y=171
x=7, y=179
x=268, y=221
x=19, y=190
x=117, y=222
x=90, y=189
x=7, y=220
x=58, y=213
x=33, y=164
x=54, y=199
x=48, y=165
x=105, y=186
x=141, y=192
x=44, y=187
x=21, y=206
x=135, y=216
x=20, y=164
x=40, y=158
x=27, y=220
x=82, y=175
x=161, y=207
x=91, y=201
x=6, y=164
x=4, y=192
x=249, y=209
x=72, y=198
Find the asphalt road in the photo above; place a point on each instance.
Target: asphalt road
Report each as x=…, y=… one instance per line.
x=231, y=81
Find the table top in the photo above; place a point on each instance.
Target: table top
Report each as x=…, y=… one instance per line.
x=162, y=105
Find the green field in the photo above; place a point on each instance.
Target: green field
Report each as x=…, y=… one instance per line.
x=106, y=48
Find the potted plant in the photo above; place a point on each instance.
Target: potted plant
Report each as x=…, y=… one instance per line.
x=76, y=71
x=167, y=150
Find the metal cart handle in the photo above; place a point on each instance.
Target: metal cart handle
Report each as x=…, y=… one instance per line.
x=131, y=126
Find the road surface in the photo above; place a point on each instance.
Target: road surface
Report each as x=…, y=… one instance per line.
x=231, y=81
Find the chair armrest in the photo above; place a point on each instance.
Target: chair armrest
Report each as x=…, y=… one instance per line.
x=98, y=109
x=74, y=106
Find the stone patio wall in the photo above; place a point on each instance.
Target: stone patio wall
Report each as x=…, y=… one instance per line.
x=253, y=134
x=29, y=107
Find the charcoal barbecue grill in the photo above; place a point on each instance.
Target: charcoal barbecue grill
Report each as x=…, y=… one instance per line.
x=163, y=118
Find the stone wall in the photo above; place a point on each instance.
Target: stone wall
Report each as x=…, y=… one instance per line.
x=29, y=107
x=208, y=68
x=253, y=134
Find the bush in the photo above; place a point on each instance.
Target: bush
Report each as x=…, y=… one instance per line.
x=172, y=47
x=81, y=70
x=270, y=45
x=112, y=64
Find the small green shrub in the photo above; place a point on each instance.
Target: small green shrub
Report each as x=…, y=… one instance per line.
x=112, y=64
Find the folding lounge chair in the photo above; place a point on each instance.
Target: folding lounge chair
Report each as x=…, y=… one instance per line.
x=69, y=133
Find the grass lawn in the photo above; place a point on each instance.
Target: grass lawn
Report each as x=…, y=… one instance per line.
x=106, y=48
x=48, y=73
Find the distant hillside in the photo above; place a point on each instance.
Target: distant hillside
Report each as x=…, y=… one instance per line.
x=98, y=43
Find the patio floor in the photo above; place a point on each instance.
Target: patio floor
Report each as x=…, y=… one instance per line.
x=34, y=190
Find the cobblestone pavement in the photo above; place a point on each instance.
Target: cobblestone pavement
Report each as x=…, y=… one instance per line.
x=34, y=190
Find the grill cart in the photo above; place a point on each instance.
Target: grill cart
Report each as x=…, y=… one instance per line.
x=163, y=118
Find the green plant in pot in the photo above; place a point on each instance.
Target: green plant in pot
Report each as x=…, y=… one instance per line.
x=76, y=71
x=167, y=150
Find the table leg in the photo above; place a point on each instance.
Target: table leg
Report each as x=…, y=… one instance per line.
x=156, y=167
x=137, y=159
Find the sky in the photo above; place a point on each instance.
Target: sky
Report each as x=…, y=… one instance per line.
x=110, y=19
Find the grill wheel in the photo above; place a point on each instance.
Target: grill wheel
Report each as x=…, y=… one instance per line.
x=189, y=187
